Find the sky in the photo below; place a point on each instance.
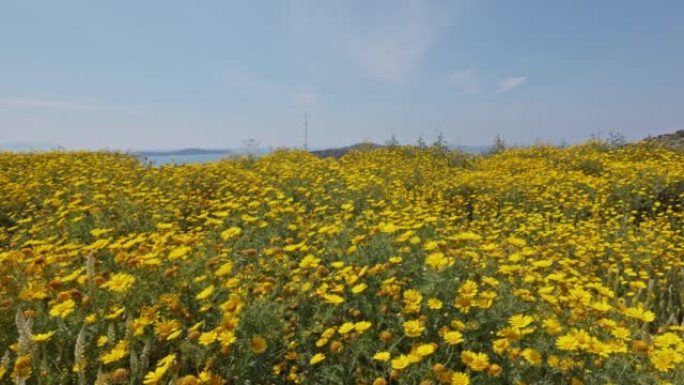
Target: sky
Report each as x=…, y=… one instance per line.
x=171, y=74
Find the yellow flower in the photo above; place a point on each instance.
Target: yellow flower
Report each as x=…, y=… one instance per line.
x=453, y=337
x=412, y=299
x=42, y=337
x=358, y=289
x=434, y=304
x=188, y=380
x=329, y=332
x=401, y=362
x=309, y=261
x=258, y=344
x=640, y=313
x=230, y=233
x=115, y=312
x=661, y=341
x=333, y=299
x=431, y=245
x=225, y=269
x=226, y=338
x=468, y=289
x=204, y=294
x=494, y=370
x=102, y=341
x=63, y=309
x=207, y=338
x=414, y=358
x=520, y=321
x=567, y=342
x=97, y=232
x=412, y=296
x=463, y=303
x=153, y=377
x=22, y=367
x=664, y=359
x=438, y=261
x=623, y=334
x=381, y=356
x=458, y=325
x=119, y=351
x=460, y=378
x=387, y=228
x=318, y=357
x=167, y=329
x=475, y=361
x=395, y=260
x=499, y=346
x=493, y=282
x=532, y=356
x=119, y=283
x=425, y=350
x=346, y=328
x=413, y=328
x=362, y=326
x=551, y=326
x=179, y=252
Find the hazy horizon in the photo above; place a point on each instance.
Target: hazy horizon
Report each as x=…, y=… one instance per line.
x=44, y=146
x=171, y=75
x=47, y=146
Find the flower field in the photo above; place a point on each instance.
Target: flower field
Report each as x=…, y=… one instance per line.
x=389, y=266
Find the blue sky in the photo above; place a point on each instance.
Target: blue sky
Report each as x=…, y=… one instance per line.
x=171, y=74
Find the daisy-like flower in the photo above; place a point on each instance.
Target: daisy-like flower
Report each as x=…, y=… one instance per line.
x=460, y=378
x=317, y=358
x=258, y=344
x=119, y=283
x=42, y=337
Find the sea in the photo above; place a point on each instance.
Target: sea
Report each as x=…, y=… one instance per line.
x=159, y=160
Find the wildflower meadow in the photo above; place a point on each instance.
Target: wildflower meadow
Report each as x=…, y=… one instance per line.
x=397, y=265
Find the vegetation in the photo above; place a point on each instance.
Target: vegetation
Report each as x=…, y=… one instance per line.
x=387, y=266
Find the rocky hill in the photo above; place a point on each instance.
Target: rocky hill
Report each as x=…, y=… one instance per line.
x=674, y=140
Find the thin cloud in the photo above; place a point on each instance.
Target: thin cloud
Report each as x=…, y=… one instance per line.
x=511, y=83
x=390, y=57
x=386, y=43
x=16, y=103
x=390, y=53
x=464, y=81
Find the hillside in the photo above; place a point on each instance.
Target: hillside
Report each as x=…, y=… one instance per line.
x=674, y=140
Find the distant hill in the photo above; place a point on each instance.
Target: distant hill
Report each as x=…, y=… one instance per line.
x=340, y=151
x=674, y=140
